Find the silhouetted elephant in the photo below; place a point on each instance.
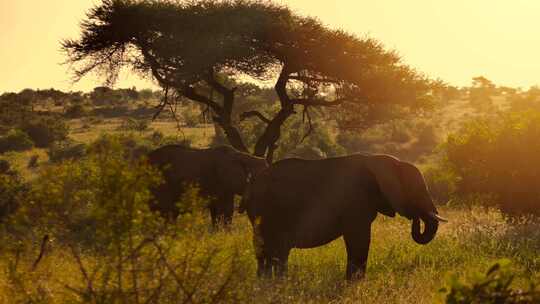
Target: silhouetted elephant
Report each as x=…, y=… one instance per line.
x=219, y=172
x=299, y=203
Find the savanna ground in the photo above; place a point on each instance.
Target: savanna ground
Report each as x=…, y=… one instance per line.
x=213, y=266
x=399, y=271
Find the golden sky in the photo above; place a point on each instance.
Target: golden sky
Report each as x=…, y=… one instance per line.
x=453, y=40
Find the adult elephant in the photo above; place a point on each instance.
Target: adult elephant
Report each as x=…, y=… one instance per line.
x=219, y=172
x=300, y=203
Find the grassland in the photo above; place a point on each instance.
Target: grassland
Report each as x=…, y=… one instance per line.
x=399, y=270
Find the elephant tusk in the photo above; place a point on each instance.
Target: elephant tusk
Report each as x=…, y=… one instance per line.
x=437, y=217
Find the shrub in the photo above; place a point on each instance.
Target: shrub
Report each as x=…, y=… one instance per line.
x=440, y=181
x=133, y=147
x=65, y=150
x=191, y=116
x=493, y=288
x=33, y=162
x=12, y=190
x=76, y=111
x=176, y=140
x=97, y=211
x=45, y=131
x=111, y=111
x=501, y=157
x=135, y=125
x=157, y=137
x=15, y=140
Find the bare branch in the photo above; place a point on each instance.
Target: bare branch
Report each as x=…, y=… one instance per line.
x=257, y=114
x=162, y=103
x=41, y=251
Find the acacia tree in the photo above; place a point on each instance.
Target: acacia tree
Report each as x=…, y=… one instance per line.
x=193, y=48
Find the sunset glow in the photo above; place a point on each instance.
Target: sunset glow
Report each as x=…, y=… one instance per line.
x=451, y=40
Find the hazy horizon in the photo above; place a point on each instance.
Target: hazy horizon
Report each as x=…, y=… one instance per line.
x=454, y=41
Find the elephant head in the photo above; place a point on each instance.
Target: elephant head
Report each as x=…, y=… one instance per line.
x=237, y=168
x=404, y=188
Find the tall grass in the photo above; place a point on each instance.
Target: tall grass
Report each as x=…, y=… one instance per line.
x=399, y=271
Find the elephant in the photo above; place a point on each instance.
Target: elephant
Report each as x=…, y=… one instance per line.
x=298, y=203
x=219, y=172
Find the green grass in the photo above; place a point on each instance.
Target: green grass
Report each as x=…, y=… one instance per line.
x=201, y=135
x=399, y=271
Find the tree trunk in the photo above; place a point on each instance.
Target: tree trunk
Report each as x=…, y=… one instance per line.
x=225, y=122
x=234, y=137
x=266, y=144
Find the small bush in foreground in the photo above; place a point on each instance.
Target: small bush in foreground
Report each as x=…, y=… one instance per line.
x=493, y=288
x=97, y=212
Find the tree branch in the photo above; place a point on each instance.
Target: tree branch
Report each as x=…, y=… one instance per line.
x=267, y=141
x=211, y=80
x=257, y=114
x=190, y=93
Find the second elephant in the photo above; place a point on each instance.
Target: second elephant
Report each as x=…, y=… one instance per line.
x=219, y=172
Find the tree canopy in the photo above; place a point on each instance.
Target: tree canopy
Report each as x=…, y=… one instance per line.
x=200, y=49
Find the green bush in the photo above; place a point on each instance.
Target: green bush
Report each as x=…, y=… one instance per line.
x=111, y=111
x=97, y=211
x=493, y=288
x=501, y=157
x=33, y=162
x=65, y=150
x=76, y=111
x=13, y=190
x=46, y=130
x=191, y=116
x=158, y=139
x=133, y=147
x=82, y=197
x=15, y=140
x=135, y=125
x=440, y=181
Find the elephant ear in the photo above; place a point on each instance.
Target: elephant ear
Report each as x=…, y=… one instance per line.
x=386, y=170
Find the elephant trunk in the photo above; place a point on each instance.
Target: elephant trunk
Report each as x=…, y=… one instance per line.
x=431, y=225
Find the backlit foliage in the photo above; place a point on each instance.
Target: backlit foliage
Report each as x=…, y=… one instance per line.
x=500, y=156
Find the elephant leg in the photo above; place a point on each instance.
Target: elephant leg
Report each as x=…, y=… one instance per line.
x=264, y=265
x=221, y=209
x=357, y=241
x=227, y=205
x=262, y=269
x=214, y=213
x=279, y=249
x=280, y=264
x=164, y=202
